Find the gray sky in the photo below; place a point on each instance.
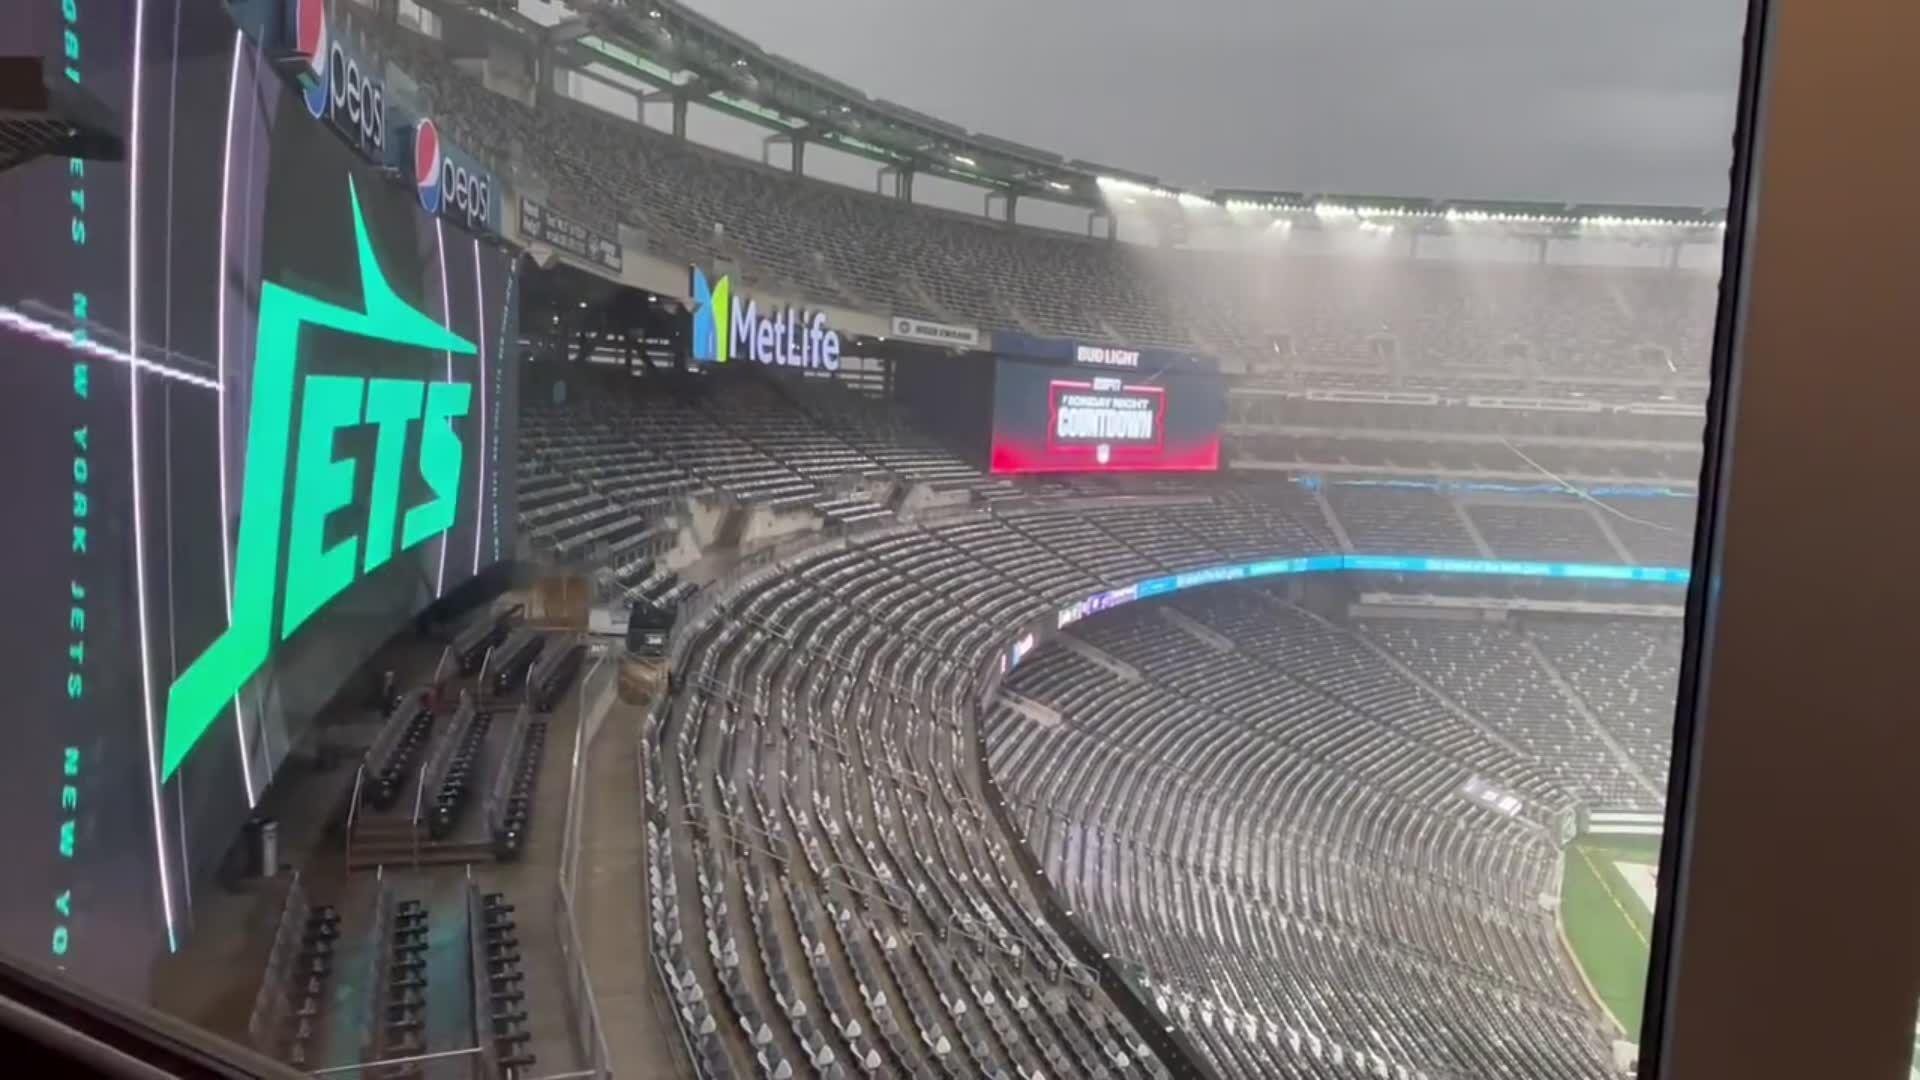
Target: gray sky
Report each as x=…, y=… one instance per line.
x=1628, y=101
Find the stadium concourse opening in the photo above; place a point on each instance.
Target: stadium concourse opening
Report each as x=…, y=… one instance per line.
x=1233, y=634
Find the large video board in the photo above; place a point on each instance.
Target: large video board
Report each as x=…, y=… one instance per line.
x=1050, y=418
x=263, y=413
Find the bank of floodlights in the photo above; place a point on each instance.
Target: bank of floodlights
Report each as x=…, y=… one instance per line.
x=1113, y=185
x=1382, y=218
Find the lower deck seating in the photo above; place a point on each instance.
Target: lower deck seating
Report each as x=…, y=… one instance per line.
x=1272, y=838
x=1627, y=673
x=1499, y=673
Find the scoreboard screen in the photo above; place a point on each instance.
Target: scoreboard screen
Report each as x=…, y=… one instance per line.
x=261, y=413
x=1062, y=418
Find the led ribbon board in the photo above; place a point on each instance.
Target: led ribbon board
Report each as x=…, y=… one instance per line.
x=1387, y=564
x=1088, y=606
x=317, y=573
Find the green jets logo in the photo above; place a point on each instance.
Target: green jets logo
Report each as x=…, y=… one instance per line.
x=318, y=572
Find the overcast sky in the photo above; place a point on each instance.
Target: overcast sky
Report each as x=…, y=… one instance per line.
x=1565, y=100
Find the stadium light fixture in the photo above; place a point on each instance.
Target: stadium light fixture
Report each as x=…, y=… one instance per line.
x=1058, y=186
x=963, y=159
x=1129, y=187
x=1194, y=202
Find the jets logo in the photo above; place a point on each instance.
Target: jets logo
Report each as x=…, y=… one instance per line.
x=276, y=529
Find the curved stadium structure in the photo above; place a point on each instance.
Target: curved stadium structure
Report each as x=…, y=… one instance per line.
x=1301, y=826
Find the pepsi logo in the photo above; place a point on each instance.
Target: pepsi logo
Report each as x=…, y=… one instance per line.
x=447, y=183
x=311, y=40
x=426, y=165
x=338, y=89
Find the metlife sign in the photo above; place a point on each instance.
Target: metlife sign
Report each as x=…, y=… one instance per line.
x=726, y=326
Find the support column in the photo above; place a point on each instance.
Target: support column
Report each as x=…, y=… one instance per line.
x=796, y=144
x=679, y=116
x=902, y=178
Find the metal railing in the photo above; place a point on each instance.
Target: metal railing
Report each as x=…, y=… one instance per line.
x=596, y=697
x=419, y=801
x=353, y=811
x=369, y=1067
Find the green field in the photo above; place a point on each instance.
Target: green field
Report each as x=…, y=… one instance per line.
x=1607, y=923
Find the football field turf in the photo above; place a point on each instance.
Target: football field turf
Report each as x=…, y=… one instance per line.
x=1605, y=906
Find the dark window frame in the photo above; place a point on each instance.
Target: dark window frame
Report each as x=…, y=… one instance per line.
x=1789, y=944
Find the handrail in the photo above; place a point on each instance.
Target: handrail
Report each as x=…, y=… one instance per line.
x=440, y=667
x=353, y=811
x=437, y=1055
x=569, y=833
x=419, y=797
x=480, y=681
x=590, y=1035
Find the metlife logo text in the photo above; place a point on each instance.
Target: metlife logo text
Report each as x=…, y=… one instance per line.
x=726, y=325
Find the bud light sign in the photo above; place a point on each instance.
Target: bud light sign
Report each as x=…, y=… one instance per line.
x=450, y=182
x=338, y=85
